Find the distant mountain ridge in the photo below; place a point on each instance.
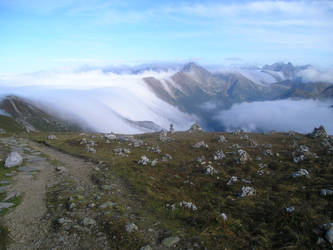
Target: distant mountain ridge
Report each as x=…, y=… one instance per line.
x=192, y=92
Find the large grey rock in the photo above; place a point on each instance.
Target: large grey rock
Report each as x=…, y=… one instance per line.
x=5, y=205
x=329, y=235
x=325, y=192
x=14, y=159
x=11, y=195
x=170, y=241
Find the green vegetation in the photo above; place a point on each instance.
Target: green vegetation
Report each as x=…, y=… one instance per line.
x=259, y=221
x=10, y=125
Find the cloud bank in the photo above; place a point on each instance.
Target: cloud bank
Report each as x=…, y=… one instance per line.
x=312, y=74
x=282, y=115
x=100, y=100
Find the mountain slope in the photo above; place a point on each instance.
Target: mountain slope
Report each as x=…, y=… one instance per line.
x=33, y=118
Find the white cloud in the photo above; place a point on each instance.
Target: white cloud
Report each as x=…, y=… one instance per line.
x=284, y=115
x=99, y=99
x=312, y=74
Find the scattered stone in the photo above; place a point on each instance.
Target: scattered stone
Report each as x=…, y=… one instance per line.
x=166, y=157
x=246, y=181
x=110, y=136
x=62, y=221
x=200, y=144
x=247, y=191
x=253, y=143
x=319, y=133
x=131, y=227
x=297, y=159
x=164, y=136
x=290, y=209
x=143, y=160
x=4, y=182
x=232, y=180
x=210, y=170
x=301, y=172
x=107, y=187
x=154, y=149
x=91, y=150
x=243, y=156
x=188, y=205
x=325, y=192
x=291, y=133
x=14, y=159
x=108, y=204
x=235, y=146
x=261, y=170
x=61, y=169
x=195, y=128
x=88, y=222
x=268, y=152
x=244, y=137
x=170, y=241
x=83, y=141
x=122, y=151
x=236, y=132
x=137, y=143
x=201, y=159
x=146, y=248
x=2, y=131
x=223, y=216
x=222, y=139
x=154, y=162
x=5, y=205
x=320, y=241
x=219, y=155
x=52, y=137
x=12, y=195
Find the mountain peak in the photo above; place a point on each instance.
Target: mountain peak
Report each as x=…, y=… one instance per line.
x=191, y=66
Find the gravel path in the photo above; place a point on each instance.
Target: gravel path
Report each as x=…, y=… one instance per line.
x=28, y=222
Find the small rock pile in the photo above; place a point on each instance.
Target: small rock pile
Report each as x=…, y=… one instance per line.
x=319, y=132
x=195, y=128
x=243, y=156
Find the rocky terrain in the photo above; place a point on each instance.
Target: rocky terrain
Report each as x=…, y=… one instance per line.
x=184, y=190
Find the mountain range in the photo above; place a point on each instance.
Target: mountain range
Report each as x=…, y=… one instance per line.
x=190, y=93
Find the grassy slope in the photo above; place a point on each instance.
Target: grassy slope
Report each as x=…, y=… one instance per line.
x=259, y=221
x=10, y=125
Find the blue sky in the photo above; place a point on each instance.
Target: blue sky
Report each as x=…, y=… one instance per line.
x=44, y=34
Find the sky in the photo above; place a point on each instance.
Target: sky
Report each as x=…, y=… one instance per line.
x=46, y=34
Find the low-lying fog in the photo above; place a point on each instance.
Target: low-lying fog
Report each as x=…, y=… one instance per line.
x=101, y=100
